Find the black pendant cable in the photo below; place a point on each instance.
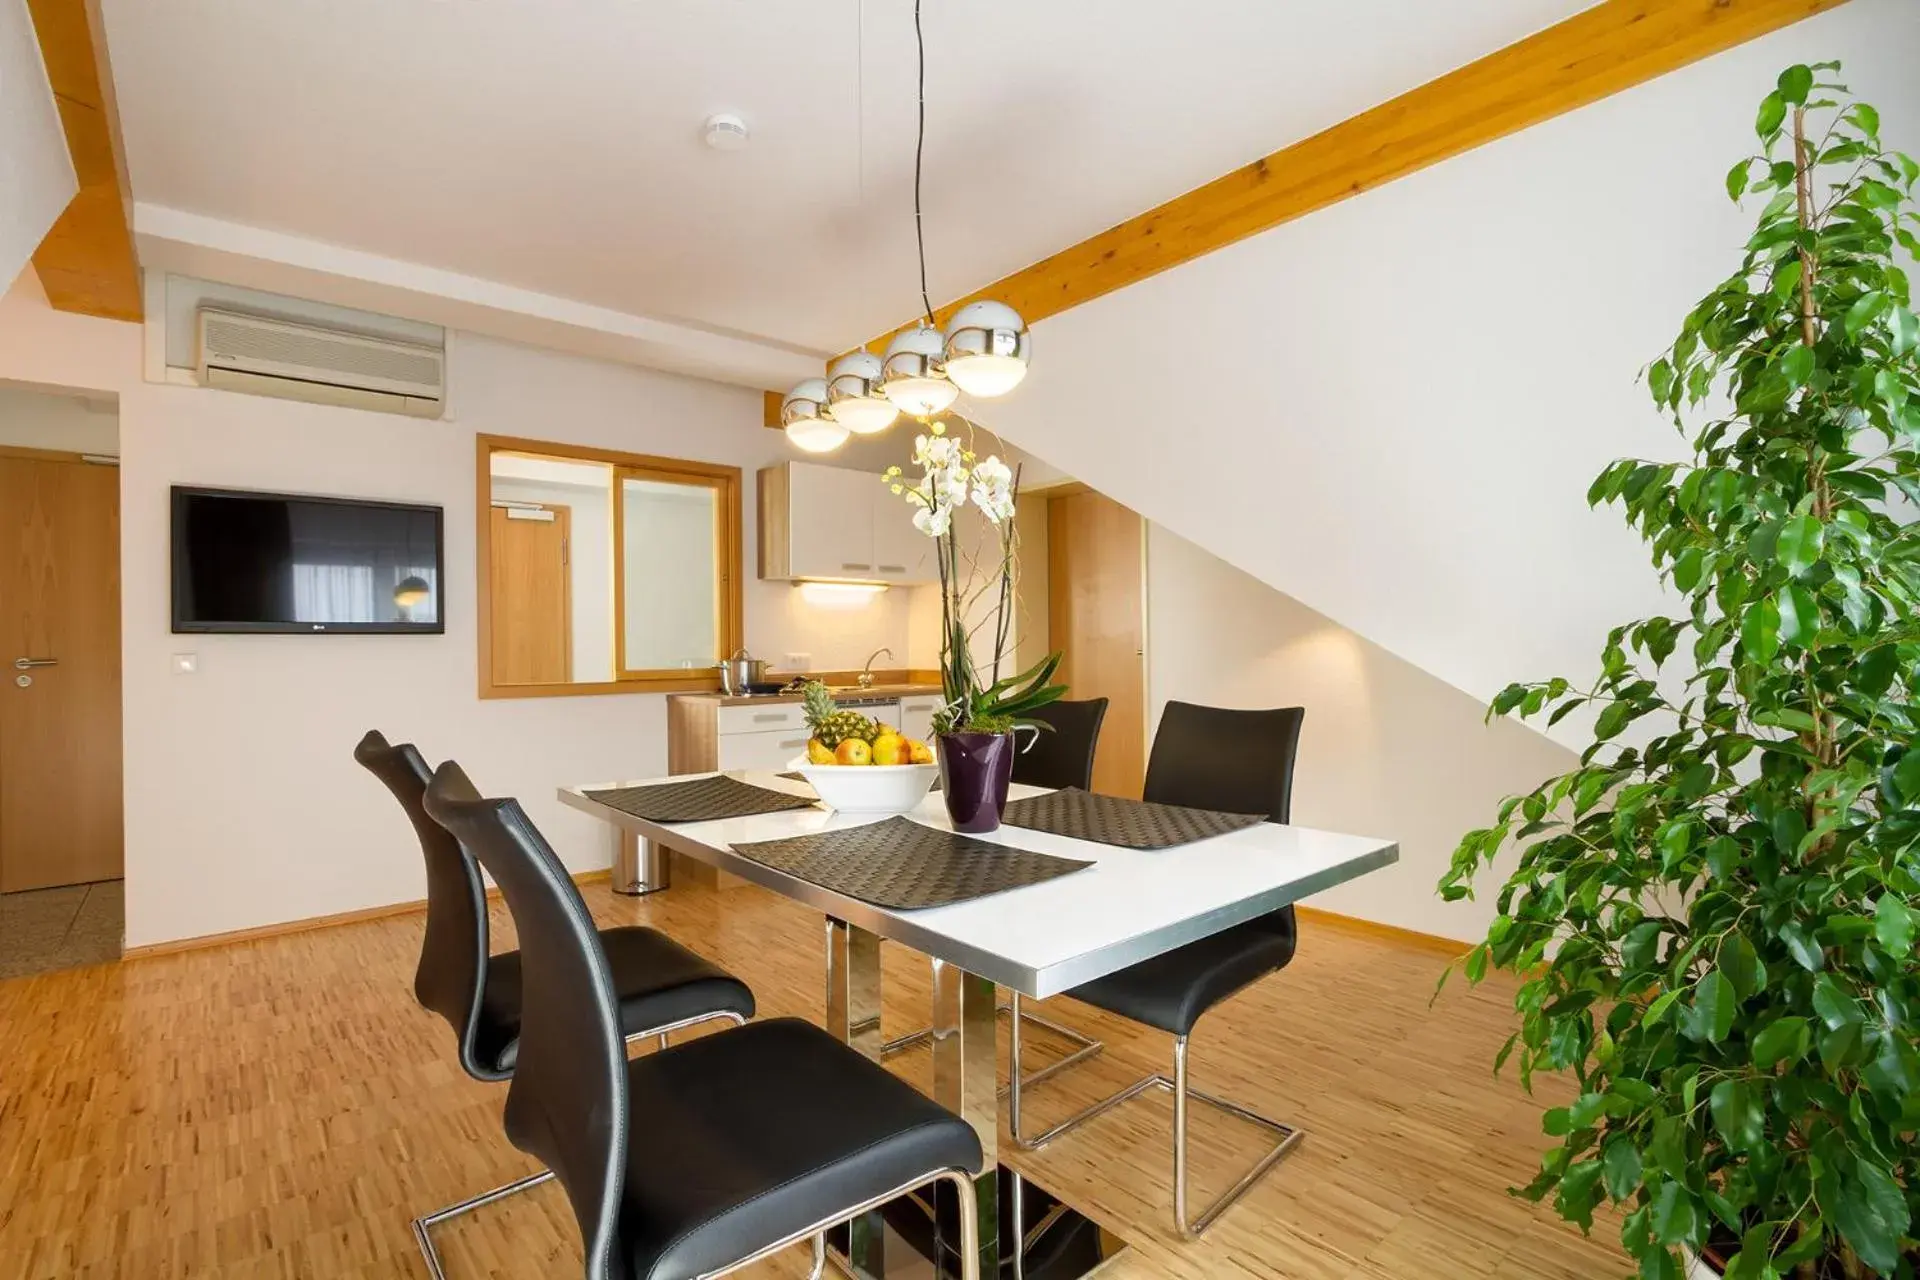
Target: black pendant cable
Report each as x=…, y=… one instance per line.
x=920, y=146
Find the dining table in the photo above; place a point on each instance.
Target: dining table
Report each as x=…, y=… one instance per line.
x=1040, y=940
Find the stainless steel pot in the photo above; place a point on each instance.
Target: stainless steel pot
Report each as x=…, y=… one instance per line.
x=740, y=673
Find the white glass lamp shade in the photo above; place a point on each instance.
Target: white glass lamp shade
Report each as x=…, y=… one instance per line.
x=803, y=414
x=987, y=349
x=911, y=373
x=853, y=395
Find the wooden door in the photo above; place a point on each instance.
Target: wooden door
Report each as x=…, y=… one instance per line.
x=531, y=596
x=60, y=802
x=1096, y=618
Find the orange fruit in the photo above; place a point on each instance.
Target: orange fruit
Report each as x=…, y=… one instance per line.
x=853, y=751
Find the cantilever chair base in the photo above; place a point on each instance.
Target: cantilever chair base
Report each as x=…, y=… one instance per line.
x=1287, y=1136
x=423, y=1226
x=1086, y=1046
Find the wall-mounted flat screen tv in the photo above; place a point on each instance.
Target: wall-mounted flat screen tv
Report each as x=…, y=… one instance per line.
x=280, y=562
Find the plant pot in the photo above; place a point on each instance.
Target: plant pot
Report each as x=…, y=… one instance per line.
x=975, y=771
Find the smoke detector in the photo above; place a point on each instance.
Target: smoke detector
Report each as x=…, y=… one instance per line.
x=725, y=132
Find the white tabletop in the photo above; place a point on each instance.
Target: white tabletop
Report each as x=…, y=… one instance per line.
x=1045, y=938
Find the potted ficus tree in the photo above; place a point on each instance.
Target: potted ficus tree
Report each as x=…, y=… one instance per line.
x=1715, y=929
x=974, y=727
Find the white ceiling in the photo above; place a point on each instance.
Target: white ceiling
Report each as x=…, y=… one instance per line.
x=541, y=158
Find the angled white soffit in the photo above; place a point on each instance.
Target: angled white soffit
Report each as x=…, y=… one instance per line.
x=172, y=240
x=36, y=177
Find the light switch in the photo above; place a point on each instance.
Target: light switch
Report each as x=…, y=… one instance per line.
x=185, y=664
x=798, y=662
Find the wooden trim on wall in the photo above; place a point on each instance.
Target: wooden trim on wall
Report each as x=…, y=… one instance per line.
x=53, y=455
x=1613, y=46
x=86, y=263
x=727, y=479
x=1451, y=948
x=309, y=924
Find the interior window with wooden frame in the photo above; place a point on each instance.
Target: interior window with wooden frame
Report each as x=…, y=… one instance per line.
x=602, y=571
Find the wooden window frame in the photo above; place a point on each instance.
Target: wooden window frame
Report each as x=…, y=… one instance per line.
x=724, y=480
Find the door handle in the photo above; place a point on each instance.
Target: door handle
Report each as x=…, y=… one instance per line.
x=27, y=664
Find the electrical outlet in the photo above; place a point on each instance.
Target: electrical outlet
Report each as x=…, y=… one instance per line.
x=798, y=662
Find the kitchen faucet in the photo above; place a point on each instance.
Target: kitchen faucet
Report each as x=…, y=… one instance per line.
x=866, y=672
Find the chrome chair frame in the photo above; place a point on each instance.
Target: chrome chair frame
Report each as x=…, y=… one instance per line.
x=1087, y=1048
x=962, y=1180
x=422, y=1226
x=1189, y=1228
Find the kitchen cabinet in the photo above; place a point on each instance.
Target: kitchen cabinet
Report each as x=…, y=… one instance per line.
x=820, y=523
x=916, y=716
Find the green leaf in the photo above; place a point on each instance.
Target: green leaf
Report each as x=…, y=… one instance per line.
x=1714, y=1004
x=1795, y=82
x=1864, y=118
x=1760, y=631
x=1797, y=365
x=1835, y=1007
x=1799, y=616
x=1781, y=1039
x=1804, y=950
x=1737, y=1115
x=1737, y=179
x=1865, y=310
x=1773, y=112
x=1672, y=1217
x=1620, y=1168
x=1743, y=966
x=1870, y=1211
x=1906, y=331
x=1893, y=925
x=1800, y=543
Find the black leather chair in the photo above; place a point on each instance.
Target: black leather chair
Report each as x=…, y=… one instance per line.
x=1204, y=758
x=660, y=986
x=1061, y=755
x=709, y=1155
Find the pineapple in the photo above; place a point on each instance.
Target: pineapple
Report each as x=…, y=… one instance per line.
x=830, y=725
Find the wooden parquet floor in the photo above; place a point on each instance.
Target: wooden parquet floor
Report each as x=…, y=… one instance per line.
x=281, y=1108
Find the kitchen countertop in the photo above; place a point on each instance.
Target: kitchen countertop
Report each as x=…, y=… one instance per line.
x=879, y=690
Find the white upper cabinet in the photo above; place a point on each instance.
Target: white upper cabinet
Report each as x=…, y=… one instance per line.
x=829, y=523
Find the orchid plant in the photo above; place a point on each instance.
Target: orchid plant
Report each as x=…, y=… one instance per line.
x=952, y=476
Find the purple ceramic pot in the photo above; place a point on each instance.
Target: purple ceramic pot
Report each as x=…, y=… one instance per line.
x=975, y=770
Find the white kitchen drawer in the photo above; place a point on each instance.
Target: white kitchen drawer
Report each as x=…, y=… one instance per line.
x=916, y=716
x=773, y=750
x=748, y=718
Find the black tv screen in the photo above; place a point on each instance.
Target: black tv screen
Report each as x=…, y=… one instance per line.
x=277, y=562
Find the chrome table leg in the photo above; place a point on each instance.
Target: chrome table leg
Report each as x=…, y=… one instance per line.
x=965, y=1076
x=853, y=1016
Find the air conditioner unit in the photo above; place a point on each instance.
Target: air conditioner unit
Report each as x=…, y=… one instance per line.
x=304, y=362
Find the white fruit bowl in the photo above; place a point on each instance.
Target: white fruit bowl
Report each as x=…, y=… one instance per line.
x=869, y=788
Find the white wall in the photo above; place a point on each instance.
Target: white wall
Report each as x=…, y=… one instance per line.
x=36, y=177
x=243, y=803
x=1391, y=409
x=590, y=562
x=1386, y=749
x=31, y=419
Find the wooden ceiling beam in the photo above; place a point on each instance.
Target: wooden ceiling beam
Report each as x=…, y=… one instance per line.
x=86, y=263
x=1598, y=52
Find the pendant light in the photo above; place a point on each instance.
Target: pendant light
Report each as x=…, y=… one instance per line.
x=987, y=348
x=804, y=416
x=854, y=399
x=983, y=351
x=913, y=374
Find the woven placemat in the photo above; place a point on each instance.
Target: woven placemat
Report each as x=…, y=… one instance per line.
x=698, y=800
x=1127, y=824
x=902, y=864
